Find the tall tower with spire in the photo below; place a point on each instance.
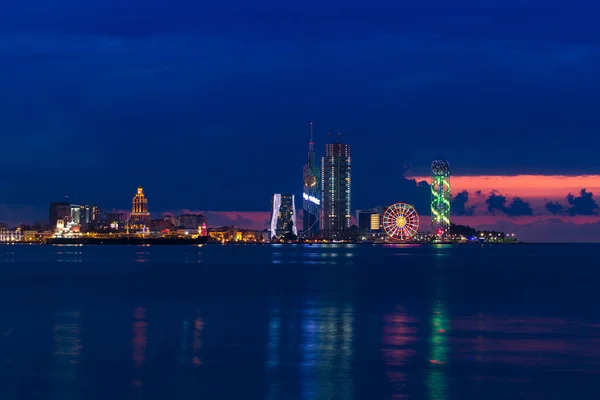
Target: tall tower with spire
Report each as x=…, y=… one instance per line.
x=311, y=193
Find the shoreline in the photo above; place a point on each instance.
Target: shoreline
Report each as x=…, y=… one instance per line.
x=194, y=242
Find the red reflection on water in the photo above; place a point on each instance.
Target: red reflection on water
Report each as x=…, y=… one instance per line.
x=139, y=342
x=140, y=337
x=526, y=341
x=196, y=342
x=517, y=325
x=399, y=334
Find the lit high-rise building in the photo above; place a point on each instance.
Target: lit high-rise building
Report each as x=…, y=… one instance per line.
x=139, y=210
x=283, y=216
x=337, y=188
x=440, y=198
x=82, y=215
x=90, y=213
x=311, y=201
x=59, y=210
x=76, y=214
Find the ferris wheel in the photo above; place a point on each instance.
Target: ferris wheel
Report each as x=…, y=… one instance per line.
x=401, y=221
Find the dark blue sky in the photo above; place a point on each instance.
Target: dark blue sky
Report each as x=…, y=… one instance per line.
x=207, y=105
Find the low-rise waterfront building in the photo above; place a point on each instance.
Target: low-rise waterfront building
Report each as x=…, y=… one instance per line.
x=370, y=221
x=232, y=234
x=32, y=236
x=10, y=236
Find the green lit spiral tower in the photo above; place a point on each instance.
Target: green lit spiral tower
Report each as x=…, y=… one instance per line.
x=440, y=198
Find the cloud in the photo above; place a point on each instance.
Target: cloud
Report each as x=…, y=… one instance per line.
x=495, y=202
x=527, y=186
x=459, y=204
x=420, y=194
x=398, y=188
x=584, y=204
x=416, y=193
x=517, y=207
x=555, y=208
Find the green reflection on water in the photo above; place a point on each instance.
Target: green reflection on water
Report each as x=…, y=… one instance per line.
x=438, y=344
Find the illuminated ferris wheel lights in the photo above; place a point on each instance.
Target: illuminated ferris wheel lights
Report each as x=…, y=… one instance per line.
x=401, y=221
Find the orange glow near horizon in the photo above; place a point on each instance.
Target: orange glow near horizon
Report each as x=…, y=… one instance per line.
x=526, y=186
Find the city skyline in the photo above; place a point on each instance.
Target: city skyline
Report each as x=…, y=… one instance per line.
x=533, y=219
x=216, y=93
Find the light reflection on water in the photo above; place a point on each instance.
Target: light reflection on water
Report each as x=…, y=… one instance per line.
x=68, y=347
x=400, y=334
x=139, y=342
x=273, y=349
x=327, y=351
x=440, y=330
x=142, y=256
x=197, y=340
x=315, y=257
x=430, y=325
x=69, y=256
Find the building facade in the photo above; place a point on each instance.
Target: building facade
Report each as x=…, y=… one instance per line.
x=115, y=221
x=82, y=215
x=191, y=221
x=139, y=209
x=283, y=216
x=11, y=236
x=76, y=214
x=311, y=193
x=337, y=191
x=89, y=214
x=370, y=221
x=116, y=217
x=59, y=210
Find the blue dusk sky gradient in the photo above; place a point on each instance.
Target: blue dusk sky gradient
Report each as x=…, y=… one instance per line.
x=207, y=105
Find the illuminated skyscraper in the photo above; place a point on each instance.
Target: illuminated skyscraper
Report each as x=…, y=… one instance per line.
x=440, y=198
x=89, y=214
x=311, y=195
x=59, y=210
x=283, y=216
x=76, y=214
x=81, y=215
x=139, y=209
x=337, y=189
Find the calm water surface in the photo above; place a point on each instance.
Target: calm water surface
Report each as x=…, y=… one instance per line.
x=299, y=322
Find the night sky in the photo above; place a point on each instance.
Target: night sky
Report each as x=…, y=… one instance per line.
x=207, y=106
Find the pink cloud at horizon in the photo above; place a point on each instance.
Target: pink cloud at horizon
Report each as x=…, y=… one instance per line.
x=552, y=187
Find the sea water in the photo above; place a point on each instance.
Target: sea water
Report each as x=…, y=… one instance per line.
x=299, y=322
